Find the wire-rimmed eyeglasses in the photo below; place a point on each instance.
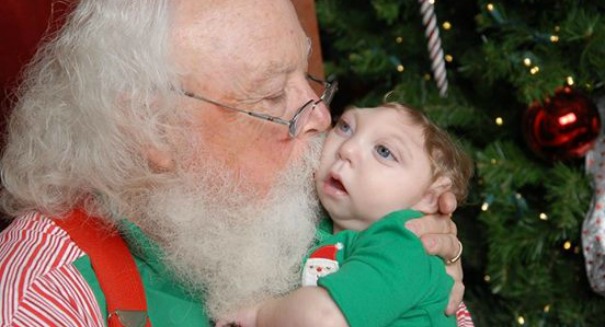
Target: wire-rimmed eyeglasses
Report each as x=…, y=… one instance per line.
x=301, y=116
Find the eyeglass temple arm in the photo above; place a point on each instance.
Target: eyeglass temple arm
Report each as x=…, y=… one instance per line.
x=267, y=117
x=330, y=85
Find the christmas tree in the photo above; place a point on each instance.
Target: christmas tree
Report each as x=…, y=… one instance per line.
x=510, y=66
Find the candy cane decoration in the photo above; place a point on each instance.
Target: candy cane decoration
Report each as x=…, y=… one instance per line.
x=434, y=44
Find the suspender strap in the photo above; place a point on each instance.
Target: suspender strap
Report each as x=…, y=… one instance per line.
x=114, y=267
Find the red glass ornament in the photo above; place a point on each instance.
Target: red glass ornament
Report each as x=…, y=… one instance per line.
x=562, y=127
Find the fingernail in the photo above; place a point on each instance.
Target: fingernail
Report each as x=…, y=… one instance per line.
x=412, y=227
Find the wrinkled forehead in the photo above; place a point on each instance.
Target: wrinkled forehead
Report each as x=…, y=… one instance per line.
x=263, y=35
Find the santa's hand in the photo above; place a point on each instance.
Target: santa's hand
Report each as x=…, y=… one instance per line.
x=438, y=234
x=437, y=230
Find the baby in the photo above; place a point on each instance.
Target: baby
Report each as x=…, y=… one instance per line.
x=379, y=168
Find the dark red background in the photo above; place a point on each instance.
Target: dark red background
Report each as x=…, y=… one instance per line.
x=22, y=26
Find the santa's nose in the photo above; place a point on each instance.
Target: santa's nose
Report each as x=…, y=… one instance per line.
x=318, y=269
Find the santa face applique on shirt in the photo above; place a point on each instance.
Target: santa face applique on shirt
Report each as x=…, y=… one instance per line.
x=320, y=263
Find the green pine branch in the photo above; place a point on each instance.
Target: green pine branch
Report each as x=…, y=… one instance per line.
x=521, y=225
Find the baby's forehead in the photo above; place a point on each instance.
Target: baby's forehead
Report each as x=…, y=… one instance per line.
x=390, y=120
x=394, y=115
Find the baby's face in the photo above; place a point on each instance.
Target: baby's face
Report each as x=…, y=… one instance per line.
x=373, y=162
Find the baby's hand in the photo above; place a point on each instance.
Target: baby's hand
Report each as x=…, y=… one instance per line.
x=242, y=318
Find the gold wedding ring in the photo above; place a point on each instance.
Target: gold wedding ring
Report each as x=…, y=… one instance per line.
x=457, y=257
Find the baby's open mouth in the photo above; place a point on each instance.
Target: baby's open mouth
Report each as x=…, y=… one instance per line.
x=336, y=183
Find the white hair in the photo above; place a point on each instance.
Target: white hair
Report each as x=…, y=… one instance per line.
x=92, y=104
x=92, y=100
x=226, y=243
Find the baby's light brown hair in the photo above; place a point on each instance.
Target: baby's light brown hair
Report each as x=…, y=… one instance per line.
x=446, y=155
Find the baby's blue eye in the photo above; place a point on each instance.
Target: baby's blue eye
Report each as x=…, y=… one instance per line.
x=343, y=126
x=384, y=152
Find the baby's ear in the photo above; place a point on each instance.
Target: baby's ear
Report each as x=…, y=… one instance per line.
x=430, y=201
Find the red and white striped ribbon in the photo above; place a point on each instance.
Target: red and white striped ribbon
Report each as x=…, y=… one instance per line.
x=434, y=44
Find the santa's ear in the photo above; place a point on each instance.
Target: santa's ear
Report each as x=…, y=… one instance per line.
x=430, y=201
x=159, y=160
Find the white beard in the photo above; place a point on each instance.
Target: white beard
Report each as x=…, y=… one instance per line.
x=233, y=247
